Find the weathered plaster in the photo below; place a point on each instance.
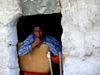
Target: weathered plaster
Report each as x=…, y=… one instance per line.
x=9, y=14
x=8, y=8
x=34, y=7
x=13, y=57
x=14, y=71
x=3, y=51
x=12, y=32
x=81, y=36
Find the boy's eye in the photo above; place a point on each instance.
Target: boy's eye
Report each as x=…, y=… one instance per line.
x=35, y=31
x=40, y=31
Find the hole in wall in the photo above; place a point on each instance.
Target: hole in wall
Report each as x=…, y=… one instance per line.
x=51, y=22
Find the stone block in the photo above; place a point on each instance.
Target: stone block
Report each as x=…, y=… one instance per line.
x=14, y=20
x=3, y=55
x=76, y=66
x=81, y=36
x=80, y=28
x=4, y=71
x=12, y=35
x=3, y=59
x=8, y=8
x=3, y=30
x=14, y=71
x=13, y=57
x=34, y=7
x=9, y=11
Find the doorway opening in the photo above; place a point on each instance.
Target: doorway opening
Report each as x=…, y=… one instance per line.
x=51, y=22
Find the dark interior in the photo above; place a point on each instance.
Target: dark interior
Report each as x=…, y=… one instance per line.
x=52, y=23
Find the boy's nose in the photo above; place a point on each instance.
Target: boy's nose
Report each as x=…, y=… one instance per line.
x=38, y=33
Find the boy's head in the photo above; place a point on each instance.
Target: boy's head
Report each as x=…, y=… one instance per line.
x=38, y=31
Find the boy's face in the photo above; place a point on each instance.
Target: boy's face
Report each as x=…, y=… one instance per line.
x=38, y=32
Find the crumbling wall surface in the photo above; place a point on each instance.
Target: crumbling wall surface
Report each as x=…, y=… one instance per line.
x=81, y=37
x=34, y=7
x=9, y=14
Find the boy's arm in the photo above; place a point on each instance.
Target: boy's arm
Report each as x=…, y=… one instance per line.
x=54, y=46
x=27, y=46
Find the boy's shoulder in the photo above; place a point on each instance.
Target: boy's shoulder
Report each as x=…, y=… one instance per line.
x=50, y=37
x=30, y=36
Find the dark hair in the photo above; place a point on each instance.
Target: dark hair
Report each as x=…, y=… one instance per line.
x=42, y=26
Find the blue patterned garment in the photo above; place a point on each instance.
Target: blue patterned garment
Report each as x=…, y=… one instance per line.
x=52, y=43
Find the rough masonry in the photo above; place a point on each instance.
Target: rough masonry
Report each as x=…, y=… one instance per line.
x=80, y=38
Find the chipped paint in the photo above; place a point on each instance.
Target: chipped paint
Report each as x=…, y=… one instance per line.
x=57, y=10
x=58, y=3
x=32, y=0
x=29, y=56
x=42, y=10
x=25, y=0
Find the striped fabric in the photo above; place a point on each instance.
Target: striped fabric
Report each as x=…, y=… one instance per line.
x=53, y=44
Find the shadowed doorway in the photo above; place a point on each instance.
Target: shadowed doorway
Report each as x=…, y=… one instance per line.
x=51, y=22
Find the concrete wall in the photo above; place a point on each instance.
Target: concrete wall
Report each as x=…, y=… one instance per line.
x=81, y=36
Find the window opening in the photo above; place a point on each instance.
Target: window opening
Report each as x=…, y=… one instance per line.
x=51, y=22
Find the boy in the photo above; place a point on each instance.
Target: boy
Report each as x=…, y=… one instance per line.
x=36, y=39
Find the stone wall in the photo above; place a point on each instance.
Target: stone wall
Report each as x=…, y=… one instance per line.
x=10, y=11
x=9, y=14
x=81, y=36
x=3, y=51
x=34, y=7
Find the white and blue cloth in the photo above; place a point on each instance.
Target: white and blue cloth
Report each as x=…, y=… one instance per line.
x=53, y=44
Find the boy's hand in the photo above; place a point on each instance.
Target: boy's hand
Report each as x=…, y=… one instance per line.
x=37, y=43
